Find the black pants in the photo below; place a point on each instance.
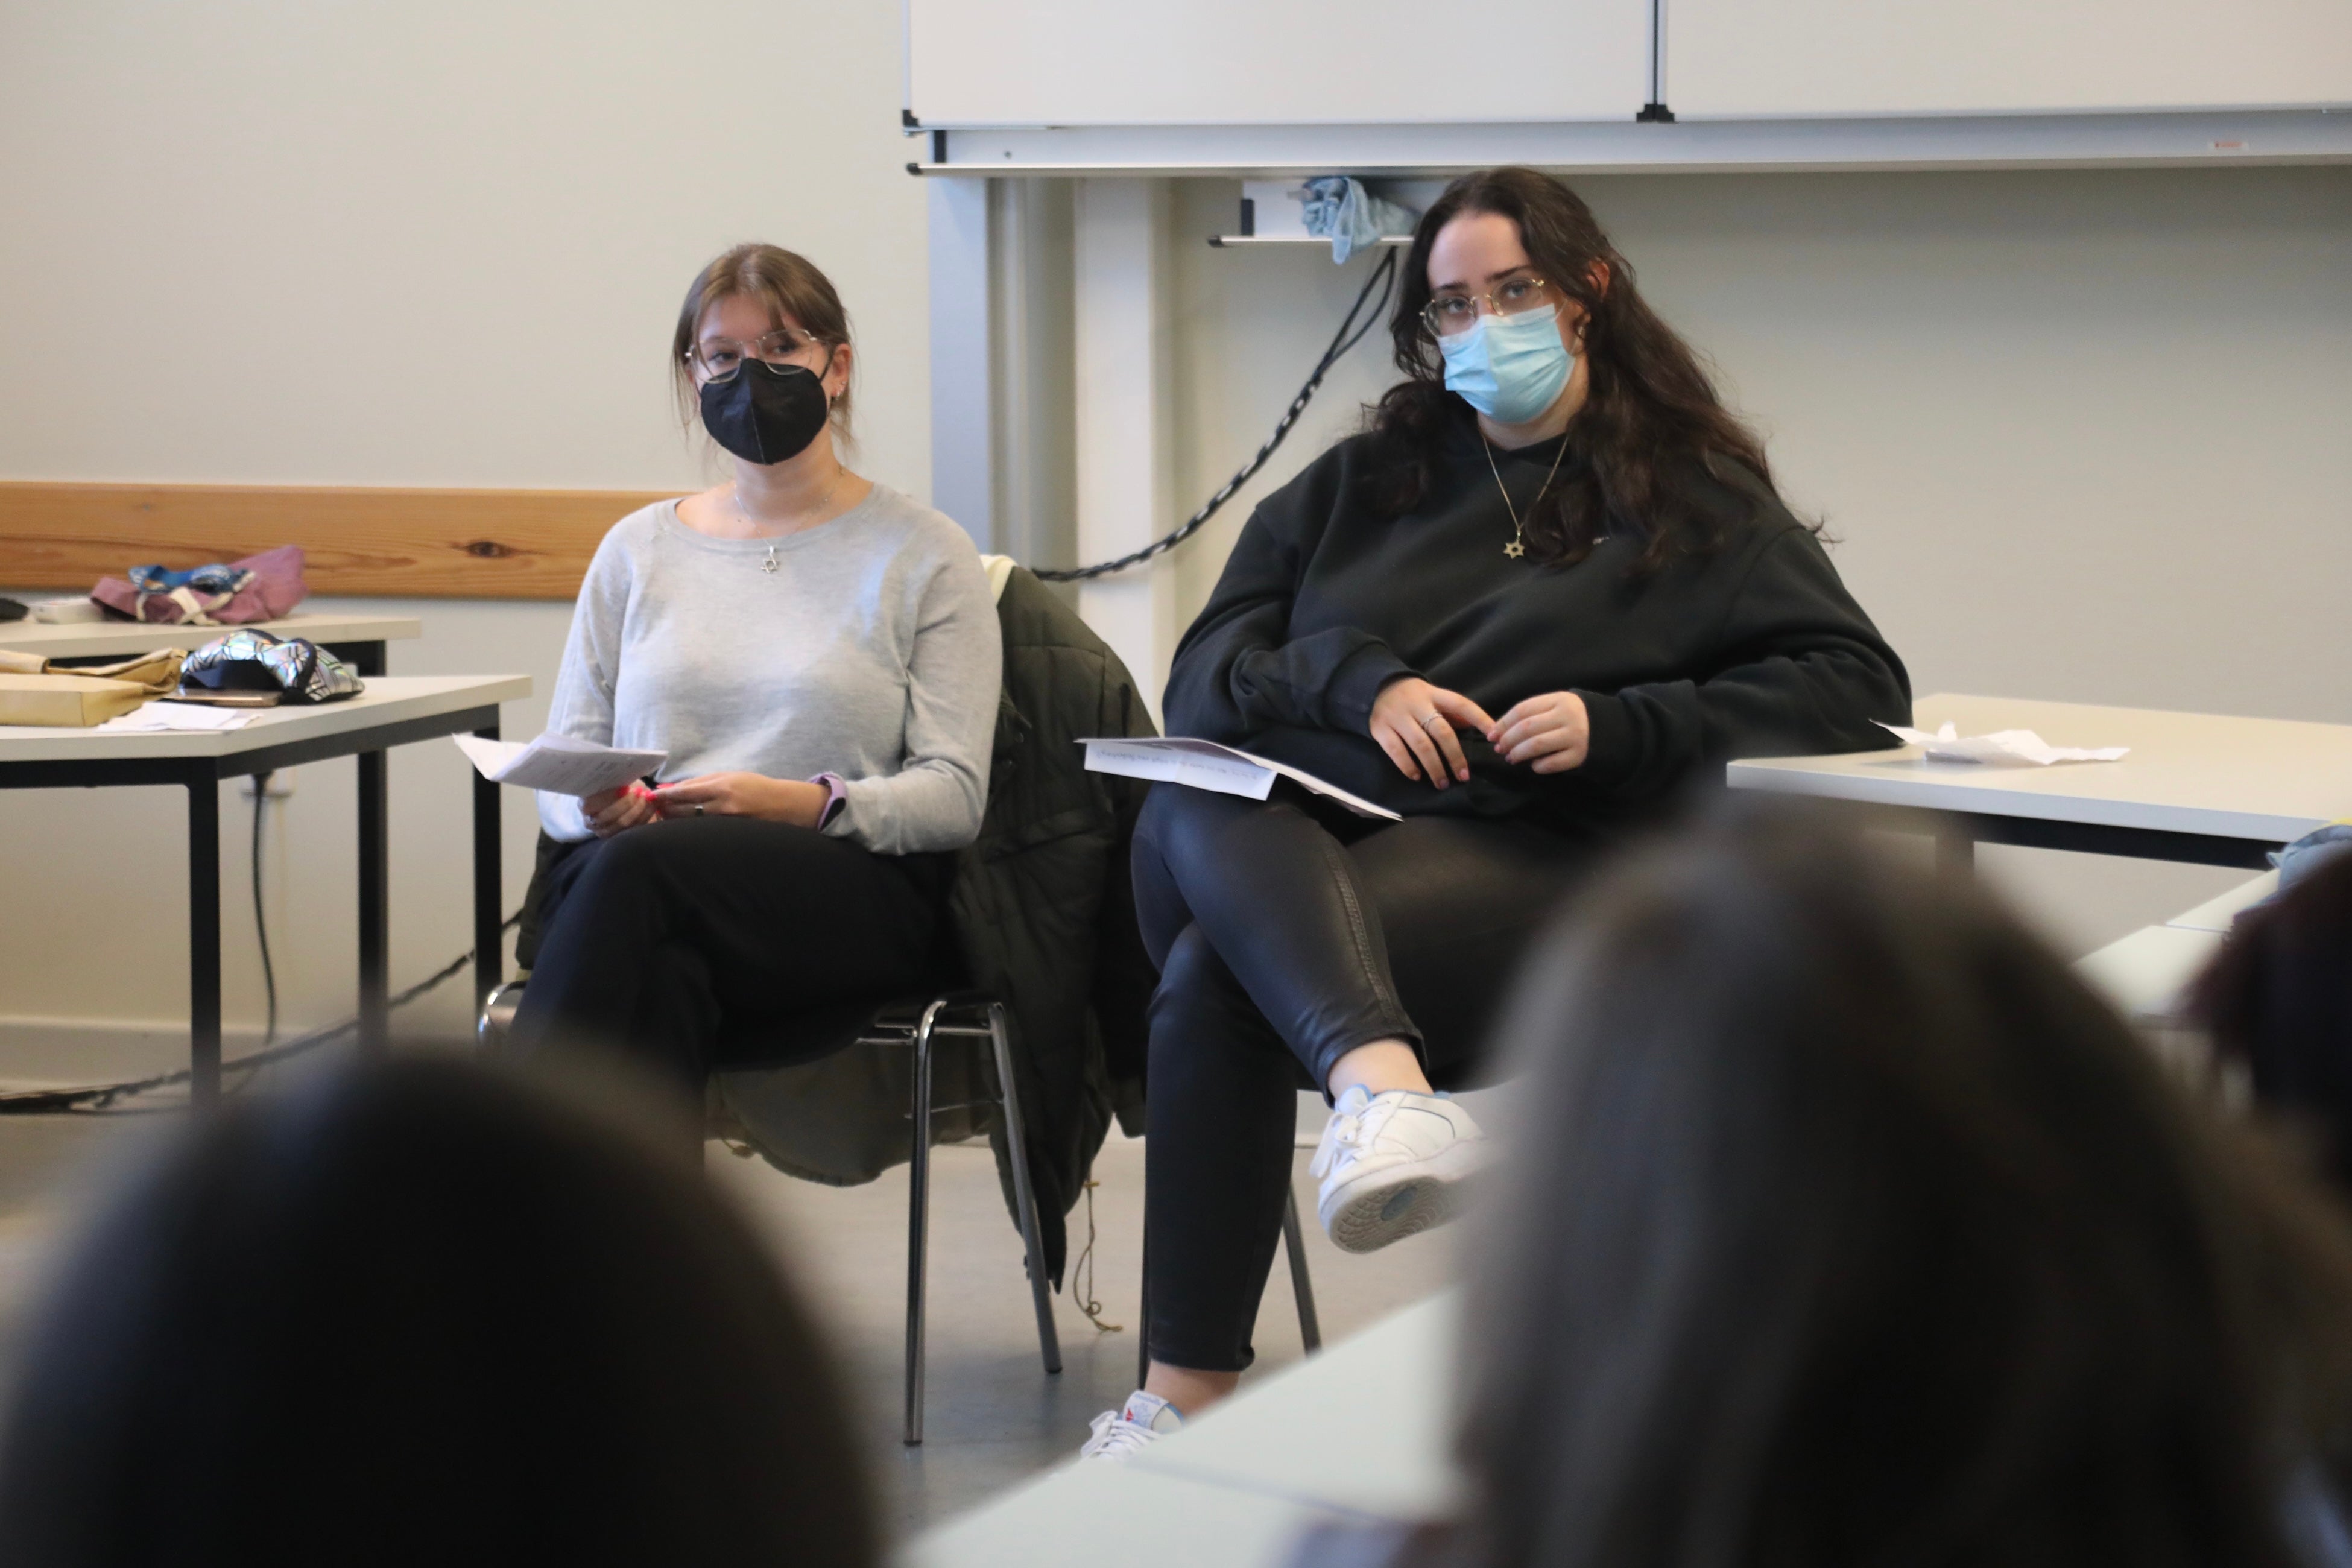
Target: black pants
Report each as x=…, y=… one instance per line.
x=1287, y=933
x=678, y=942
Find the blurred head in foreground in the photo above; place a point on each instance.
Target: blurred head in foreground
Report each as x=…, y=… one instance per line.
x=425, y=1312
x=2278, y=999
x=1846, y=1227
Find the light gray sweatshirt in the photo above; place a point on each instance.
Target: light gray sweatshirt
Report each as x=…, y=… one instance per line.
x=869, y=650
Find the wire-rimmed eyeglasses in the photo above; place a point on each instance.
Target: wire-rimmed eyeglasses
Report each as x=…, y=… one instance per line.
x=1450, y=314
x=718, y=358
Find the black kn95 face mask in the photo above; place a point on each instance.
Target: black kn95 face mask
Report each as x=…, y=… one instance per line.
x=765, y=412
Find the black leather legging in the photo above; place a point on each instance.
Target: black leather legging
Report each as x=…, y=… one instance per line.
x=1287, y=933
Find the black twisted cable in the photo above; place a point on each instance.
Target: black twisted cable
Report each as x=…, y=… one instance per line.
x=99, y=1098
x=260, y=921
x=1349, y=335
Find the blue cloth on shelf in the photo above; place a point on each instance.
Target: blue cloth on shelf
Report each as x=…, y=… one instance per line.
x=1339, y=208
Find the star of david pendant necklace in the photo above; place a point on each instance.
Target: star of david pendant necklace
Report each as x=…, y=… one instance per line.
x=1518, y=544
x=772, y=565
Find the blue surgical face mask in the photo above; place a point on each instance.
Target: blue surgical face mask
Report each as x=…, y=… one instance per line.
x=1509, y=368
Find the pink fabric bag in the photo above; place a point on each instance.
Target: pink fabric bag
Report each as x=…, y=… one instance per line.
x=276, y=587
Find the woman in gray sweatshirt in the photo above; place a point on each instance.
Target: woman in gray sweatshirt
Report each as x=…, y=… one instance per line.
x=818, y=655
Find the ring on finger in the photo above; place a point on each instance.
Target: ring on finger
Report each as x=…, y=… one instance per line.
x=1429, y=719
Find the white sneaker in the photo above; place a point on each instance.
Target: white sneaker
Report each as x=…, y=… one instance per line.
x=1144, y=1419
x=1394, y=1165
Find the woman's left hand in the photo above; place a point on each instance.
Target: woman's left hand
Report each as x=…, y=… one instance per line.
x=1552, y=732
x=792, y=800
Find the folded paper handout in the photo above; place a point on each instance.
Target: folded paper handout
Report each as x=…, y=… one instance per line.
x=2002, y=748
x=168, y=715
x=1204, y=764
x=560, y=764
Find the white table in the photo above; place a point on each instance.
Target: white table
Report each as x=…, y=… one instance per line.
x=2147, y=975
x=1239, y=1486
x=357, y=641
x=393, y=711
x=2197, y=787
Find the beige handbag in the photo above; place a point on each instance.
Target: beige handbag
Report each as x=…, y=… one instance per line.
x=34, y=691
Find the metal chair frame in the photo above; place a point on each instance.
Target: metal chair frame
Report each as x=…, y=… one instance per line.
x=959, y=1016
x=954, y=1016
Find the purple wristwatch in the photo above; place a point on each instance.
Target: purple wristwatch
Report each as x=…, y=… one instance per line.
x=836, y=795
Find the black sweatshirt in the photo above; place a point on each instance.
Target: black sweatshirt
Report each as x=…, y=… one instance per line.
x=1753, y=648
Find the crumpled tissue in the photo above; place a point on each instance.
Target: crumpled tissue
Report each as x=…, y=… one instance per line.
x=2002, y=748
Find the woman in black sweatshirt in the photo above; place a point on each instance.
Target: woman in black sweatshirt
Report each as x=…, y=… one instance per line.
x=1548, y=587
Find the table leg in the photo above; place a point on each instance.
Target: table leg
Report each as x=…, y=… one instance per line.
x=490, y=918
x=203, y=940
x=375, y=907
x=365, y=658
x=1956, y=851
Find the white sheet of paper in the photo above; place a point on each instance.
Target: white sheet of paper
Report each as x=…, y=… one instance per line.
x=2002, y=748
x=149, y=717
x=1204, y=764
x=559, y=764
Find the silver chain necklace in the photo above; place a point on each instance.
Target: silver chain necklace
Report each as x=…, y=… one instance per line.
x=735, y=493
x=1517, y=546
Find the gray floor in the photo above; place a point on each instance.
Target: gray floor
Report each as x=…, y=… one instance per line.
x=994, y=1417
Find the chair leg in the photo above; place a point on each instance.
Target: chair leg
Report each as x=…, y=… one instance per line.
x=1049, y=1343
x=1302, y=1289
x=919, y=1205
x=1143, y=1312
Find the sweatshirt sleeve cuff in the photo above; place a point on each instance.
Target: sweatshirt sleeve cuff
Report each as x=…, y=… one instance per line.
x=1348, y=700
x=562, y=817
x=1610, y=752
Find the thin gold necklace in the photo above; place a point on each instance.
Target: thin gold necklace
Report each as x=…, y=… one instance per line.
x=1518, y=546
x=735, y=494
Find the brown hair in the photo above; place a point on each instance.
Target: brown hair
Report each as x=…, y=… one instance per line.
x=549, y=1339
x=788, y=283
x=1859, y=1231
x=1651, y=413
x=2278, y=1001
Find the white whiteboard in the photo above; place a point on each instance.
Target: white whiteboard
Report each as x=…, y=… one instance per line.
x=1274, y=62
x=1768, y=58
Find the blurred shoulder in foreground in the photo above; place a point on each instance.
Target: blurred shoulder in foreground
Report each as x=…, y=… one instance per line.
x=421, y=1311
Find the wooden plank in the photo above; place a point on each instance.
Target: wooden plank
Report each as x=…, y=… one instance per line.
x=392, y=543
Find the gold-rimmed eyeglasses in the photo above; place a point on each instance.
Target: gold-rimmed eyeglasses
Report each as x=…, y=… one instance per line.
x=718, y=358
x=1452, y=314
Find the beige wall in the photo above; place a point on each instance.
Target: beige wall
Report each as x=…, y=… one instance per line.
x=2085, y=435
x=430, y=243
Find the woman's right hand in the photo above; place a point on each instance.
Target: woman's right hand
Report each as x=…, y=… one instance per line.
x=1414, y=723
x=611, y=810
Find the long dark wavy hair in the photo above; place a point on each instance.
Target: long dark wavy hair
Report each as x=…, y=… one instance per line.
x=1650, y=415
x=1860, y=1232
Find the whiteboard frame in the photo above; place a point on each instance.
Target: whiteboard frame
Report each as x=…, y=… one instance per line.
x=2259, y=139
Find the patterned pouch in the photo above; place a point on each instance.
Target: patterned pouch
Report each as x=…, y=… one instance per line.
x=250, y=661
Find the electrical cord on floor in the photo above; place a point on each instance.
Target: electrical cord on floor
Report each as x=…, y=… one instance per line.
x=1349, y=335
x=260, y=920
x=1082, y=1295
x=100, y=1099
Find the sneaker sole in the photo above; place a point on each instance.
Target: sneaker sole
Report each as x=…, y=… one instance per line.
x=1386, y=1206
